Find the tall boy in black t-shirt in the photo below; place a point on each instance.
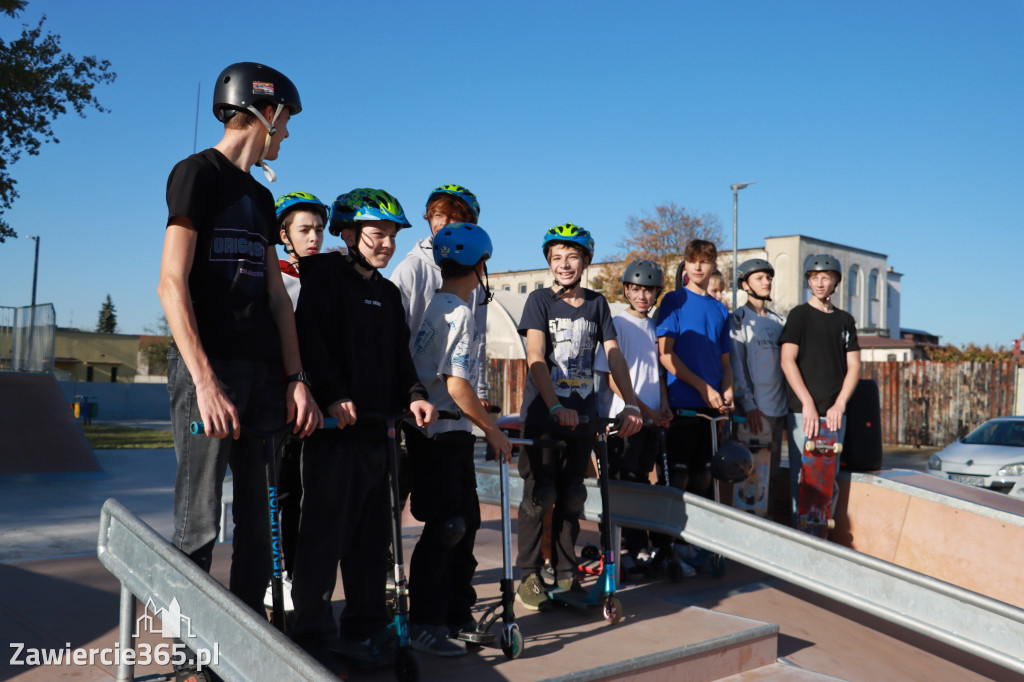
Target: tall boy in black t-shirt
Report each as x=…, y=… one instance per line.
x=234, y=333
x=821, y=361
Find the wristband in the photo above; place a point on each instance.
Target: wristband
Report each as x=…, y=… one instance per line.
x=554, y=408
x=301, y=377
x=634, y=408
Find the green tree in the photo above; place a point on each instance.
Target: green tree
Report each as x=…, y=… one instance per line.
x=107, y=323
x=38, y=82
x=661, y=237
x=154, y=346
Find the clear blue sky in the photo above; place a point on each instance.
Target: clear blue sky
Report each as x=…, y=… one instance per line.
x=889, y=126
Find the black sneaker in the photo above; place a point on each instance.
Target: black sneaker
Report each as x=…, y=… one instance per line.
x=376, y=651
x=434, y=639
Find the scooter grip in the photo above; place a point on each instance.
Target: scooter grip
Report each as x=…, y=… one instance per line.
x=454, y=415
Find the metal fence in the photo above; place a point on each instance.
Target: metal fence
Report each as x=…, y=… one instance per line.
x=27, y=338
x=934, y=403
x=923, y=402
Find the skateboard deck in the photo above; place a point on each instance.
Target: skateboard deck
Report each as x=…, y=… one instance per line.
x=817, y=481
x=752, y=494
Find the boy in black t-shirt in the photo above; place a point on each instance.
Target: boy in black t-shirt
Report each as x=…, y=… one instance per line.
x=563, y=326
x=821, y=361
x=234, y=333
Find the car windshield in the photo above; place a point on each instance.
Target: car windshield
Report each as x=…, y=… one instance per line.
x=998, y=433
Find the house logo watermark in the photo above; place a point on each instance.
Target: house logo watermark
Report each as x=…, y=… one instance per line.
x=168, y=623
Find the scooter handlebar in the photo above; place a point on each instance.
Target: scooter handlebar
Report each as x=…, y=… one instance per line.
x=198, y=428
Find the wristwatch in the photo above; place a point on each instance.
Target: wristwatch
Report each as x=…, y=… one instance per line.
x=298, y=376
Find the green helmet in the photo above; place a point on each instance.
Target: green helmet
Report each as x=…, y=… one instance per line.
x=567, y=233
x=459, y=192
x=366, y=204
x=305, y=201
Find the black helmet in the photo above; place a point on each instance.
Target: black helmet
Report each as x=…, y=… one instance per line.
x=644, y=272
x=732, y=462
x=749, y=267
x=825, y=263
x=241, y=85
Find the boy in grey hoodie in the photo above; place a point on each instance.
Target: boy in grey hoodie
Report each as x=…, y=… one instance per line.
x=419, y=278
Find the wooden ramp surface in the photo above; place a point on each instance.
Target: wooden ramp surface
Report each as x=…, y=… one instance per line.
x=39, y=433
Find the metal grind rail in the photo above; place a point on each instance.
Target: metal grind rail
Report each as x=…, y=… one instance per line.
x=247, y=647
x=969, y=621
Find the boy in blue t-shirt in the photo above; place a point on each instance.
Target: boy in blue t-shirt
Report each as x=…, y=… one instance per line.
x=563, y=326
x=694, y=345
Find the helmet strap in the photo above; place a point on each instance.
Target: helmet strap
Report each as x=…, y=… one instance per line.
x=354, y=255
x=488, y=294
x=562, y=291
x=271, y=130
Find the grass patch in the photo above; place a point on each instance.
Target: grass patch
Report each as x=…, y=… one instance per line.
x=126, y=437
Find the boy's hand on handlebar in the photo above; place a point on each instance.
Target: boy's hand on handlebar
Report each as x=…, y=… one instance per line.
x=424, y=412
x=307, y=416
x=566, y=417
x=664, y=418
x=629, y=423
x=501, y=445
x=344, y=411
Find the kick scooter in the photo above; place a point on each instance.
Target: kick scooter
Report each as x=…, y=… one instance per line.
x=715, y=562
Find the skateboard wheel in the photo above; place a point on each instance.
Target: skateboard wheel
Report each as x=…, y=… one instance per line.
x=809, y=445
x=831, y=524
x=407, y=666
x=512, y=641
x=839, y=448
x=612, y=610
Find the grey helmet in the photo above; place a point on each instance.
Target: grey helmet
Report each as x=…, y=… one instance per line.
x=749, y=267
x=644, y=272
x=732, y=462
x=825, y=263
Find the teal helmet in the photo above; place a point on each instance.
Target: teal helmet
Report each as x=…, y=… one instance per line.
x=286, y=203
x=567, y=233
x=464, y=243
x=460, y=192
x=366, y=204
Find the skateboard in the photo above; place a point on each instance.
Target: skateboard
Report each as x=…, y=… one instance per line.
x=817, y=482
x=751, y=495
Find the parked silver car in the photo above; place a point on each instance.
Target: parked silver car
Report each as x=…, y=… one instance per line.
x=991, y=456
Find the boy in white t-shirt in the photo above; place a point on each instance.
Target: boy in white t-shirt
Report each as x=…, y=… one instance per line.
x=445, y=353
x=632, y=458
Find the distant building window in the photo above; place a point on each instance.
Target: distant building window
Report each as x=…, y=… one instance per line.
x=538, y=285
x=873, y=285
x=507, y=287
x=891, y=357
x=88, y=373
x=852, y=281
x=522, y=288
x=113, y=375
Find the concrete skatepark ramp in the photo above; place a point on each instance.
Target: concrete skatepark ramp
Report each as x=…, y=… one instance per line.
x=39, y=433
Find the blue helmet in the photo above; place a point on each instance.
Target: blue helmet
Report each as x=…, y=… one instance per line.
x=567, y=233
x=464, y=243
x=366, y=204
x=302, y=200
x=460, y=192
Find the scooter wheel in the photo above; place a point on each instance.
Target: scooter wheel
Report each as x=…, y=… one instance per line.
x=718, y=565
x=512, y=641
x=612, y=610
x=590, y=553
x=407, y=666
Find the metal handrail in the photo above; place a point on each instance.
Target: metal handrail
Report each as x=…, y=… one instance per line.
x=152, y=569
x=969, y=621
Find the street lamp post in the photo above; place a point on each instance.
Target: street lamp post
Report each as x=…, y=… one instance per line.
x=32, y=310
x=735, y=223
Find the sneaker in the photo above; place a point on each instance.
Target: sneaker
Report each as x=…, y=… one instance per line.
x=686, y=553
x=286, y=590
x=630, y=570
x=468, y=626
x=532, y=595
x=571, y=585
x=370, y=653
x=643, y=557
x=434, y=639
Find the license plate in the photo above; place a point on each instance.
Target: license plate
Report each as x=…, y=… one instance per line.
x=977, y=481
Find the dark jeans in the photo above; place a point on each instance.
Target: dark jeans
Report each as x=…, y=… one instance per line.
x=289, y=498
x=550, y=474
x=443, y=490
x=631, y=459
x=345, y=521
x=257, y=391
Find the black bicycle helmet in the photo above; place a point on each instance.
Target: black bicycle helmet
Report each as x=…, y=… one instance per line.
x=749, y=267
x=241, y=85
x=644, y=272
x=732, y=462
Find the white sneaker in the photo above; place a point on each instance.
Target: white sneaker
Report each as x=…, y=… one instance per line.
x=434, y=639
x=688, y=570
x=286, y=589
x=686, y=552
